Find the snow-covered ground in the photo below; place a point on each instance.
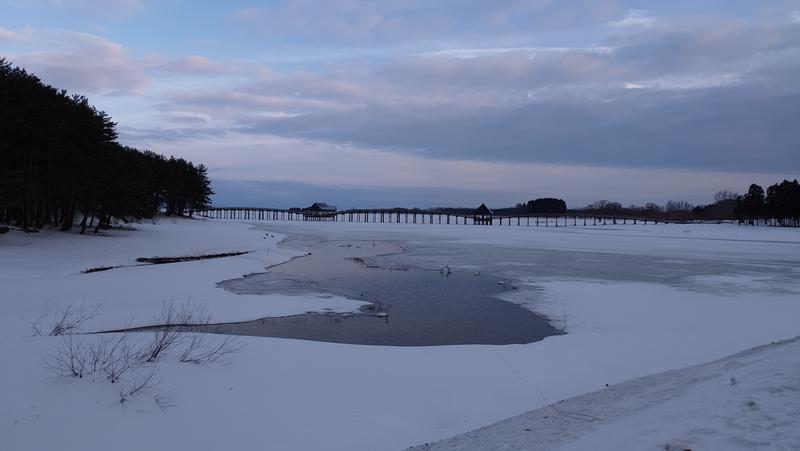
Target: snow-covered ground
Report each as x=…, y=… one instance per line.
x=43, y=271
x=636, y=300
x=747, y=401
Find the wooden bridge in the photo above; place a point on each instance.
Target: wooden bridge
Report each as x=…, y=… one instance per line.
x=418, y=216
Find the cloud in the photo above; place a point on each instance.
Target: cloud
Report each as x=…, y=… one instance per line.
x=409, y=20
x=293, y=194
x=634, y=18
x=101, y=8
x=724, y=128
x=84, y=63
x=92, y=64
x=7, y=35
x=268, y=164
x=195, y=65
x=710, y=95
x=718, y=98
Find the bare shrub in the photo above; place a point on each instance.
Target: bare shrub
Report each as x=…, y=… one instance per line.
x=65, y=322
x=170, y=325
x=118, y=357
x=113, y=358
x=201, y=348
x=131, y=363
x=82, y=356
x=140, y=383
x=69, y=359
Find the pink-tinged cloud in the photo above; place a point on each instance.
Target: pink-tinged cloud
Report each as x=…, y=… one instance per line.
x=91, y=64
x=7, y=35
x=83, y=63
x=196, y=65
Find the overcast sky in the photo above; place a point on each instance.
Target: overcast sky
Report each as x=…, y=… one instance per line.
x=423, y=102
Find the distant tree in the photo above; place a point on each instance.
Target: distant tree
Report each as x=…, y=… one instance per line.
x=653, y=208
x=547, y=205
x=723, y=209
x=738, y=210
x=605, y=206
x=783, y=202
x=725, y=195
x=753, y=203
x=678, y=205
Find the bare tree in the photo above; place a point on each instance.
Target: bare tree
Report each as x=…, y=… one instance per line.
x=724, y=195
x=678, y=205
x=605, y=205
x=653, y=208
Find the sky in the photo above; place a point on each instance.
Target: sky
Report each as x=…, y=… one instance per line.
x=427, y=103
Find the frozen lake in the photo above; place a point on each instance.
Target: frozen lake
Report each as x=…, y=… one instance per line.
x=410, y=306
x=415, y=302
x=699, y=258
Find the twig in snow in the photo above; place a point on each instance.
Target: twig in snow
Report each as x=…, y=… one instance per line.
x=66, y=322
x=201, y=348
x=141, y=383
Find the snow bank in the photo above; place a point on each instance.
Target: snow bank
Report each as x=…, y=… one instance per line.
x=743, y=402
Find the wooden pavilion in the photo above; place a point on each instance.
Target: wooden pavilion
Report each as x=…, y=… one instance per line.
x=482, y=215
x=319, y=211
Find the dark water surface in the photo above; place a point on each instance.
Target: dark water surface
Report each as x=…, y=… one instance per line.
x=409, y=306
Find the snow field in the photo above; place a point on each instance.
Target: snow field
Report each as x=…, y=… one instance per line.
x=287, y=394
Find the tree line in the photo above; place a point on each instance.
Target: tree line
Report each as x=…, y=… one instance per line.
x=61, y=164
x=779, y=205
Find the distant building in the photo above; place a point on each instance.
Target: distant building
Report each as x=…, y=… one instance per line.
x=482, y=215
x=319, y=211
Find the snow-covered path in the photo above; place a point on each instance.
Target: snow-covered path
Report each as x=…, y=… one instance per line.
x=741, y=291
x=747, y=401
